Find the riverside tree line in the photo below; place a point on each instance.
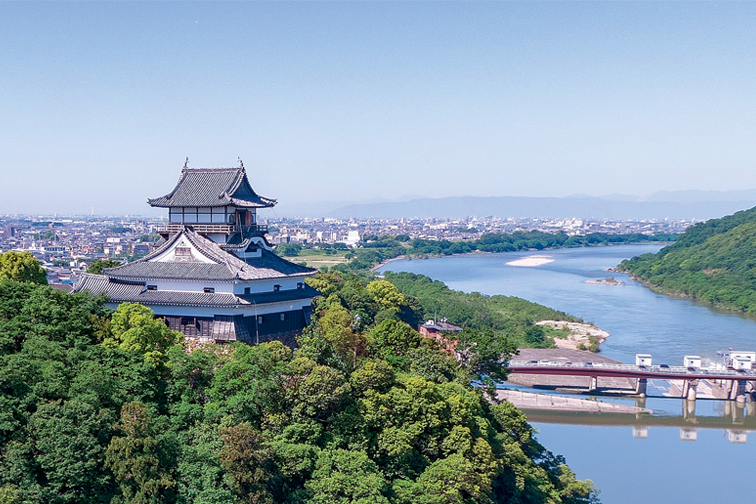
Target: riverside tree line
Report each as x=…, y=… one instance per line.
x=713, y=262
x=374, y=249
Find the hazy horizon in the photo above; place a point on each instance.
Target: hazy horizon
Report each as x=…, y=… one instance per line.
x=357, y=102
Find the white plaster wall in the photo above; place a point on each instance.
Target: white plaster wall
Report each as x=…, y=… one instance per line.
x=286, y=283
x=187, y=286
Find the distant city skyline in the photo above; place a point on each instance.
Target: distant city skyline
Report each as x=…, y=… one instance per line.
x=373, y=101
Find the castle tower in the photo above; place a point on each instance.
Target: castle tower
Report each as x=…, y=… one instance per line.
x=214, y=277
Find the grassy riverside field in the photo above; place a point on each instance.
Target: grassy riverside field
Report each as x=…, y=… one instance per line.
x=317, y=259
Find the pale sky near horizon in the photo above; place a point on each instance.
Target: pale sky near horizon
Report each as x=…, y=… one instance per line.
x=349, y=101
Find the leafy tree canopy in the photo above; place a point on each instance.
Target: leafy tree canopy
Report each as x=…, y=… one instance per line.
x=21, y=267
x=100, y=264
x=363, y=411
x=134, y=328
x=712, y=262
x=288, y=249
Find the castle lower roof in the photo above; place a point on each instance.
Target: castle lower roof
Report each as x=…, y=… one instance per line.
x=221, y=265
x=137, y=292
x=212, y=187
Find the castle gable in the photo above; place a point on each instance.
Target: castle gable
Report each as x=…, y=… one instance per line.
x=182, y=251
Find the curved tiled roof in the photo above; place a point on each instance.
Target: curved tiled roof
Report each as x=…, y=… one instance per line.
x=121, y=292
x=136, y=292
x=212, y=187
x=225, y=266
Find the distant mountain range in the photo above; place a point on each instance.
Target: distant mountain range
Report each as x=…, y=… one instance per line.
x=699, y=205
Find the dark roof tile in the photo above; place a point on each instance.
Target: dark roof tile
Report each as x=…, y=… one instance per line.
x=227, y=266
x=212, y=187
x=133, y=292
x=120, y=292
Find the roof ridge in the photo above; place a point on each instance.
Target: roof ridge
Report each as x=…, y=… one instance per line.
x=216, y=169
x=158, y=251
x=230, y=261
x=83, y=280
x=178, y=184
x=212, y=187
x=238, y=182
x=202, y=244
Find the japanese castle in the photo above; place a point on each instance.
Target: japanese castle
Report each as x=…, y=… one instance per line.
x=214, y=277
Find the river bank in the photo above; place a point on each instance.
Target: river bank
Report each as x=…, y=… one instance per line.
x=717, y=307
x=580, y=336
x=388, y=261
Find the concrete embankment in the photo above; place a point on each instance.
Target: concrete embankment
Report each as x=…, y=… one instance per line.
x=542, y=402
x=531, y=401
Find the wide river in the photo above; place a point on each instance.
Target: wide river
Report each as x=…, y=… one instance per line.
x=630, y=461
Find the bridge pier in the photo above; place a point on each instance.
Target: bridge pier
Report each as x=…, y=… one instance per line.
x=689, y=390
x=738, y=414
x=737, y=391
x=641, y=385
x=689, y=410
x=594, y=384
x=640, y=402
x=692, y=390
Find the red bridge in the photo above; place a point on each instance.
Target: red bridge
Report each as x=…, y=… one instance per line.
x=690, y=376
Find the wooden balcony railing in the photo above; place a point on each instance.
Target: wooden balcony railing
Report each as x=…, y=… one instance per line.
x=214, y=229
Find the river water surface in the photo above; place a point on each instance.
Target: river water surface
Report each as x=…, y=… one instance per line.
x=630, y=461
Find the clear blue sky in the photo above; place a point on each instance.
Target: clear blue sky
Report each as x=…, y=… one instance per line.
x=101, y=102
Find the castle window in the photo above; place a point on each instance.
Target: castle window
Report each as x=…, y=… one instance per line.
x=259, y=319
x=300, y=285
x=276, y=288
x=209, y=290
x=152, y=287
x=282, y=316
x=247, y=290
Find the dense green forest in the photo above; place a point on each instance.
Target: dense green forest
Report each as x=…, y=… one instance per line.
x=102, y=406
x=713, y=261
x=375, y=249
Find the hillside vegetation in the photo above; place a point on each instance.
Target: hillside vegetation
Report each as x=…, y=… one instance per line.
x=508, y=318
x=713, y=262
x=108, y=407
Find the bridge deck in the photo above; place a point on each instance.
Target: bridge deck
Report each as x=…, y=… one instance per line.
x=626, y=370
